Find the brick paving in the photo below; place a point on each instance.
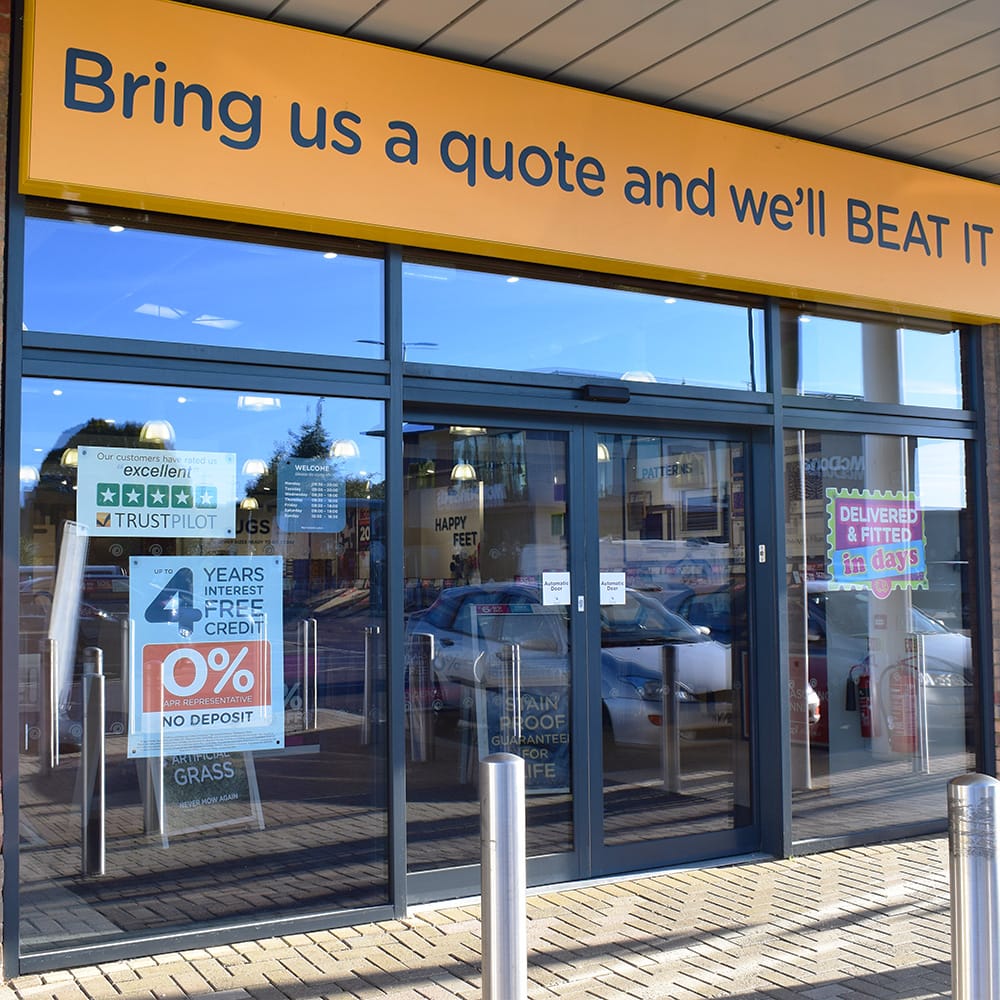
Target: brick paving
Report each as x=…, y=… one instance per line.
x=868, y=922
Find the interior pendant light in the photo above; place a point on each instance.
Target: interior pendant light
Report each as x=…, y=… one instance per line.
x=463, y=473
x=157, y=432
x=345, y=448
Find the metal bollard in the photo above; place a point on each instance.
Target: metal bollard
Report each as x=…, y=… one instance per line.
x=916, y=650
x=92, y=764
x=974, y=868
x=504, y=879
x=670, y=733
x=48, y=707
x=510, y=691
x=308, y=671
x=373, y=706
x=419, y=657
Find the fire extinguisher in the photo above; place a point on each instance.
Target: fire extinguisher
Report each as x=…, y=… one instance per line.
x=903, y=708
x=865, y=700
x=859, y=688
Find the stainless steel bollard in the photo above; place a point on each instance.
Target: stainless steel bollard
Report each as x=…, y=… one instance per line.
x=670, y=732
x=92, y=764
x=310, y=686
x=510, y=692
x=974, y=868
x=308, y=671
x=916, y=650
x=504, y=879
x=372, y=707
x=419, y=657
x=48, y=706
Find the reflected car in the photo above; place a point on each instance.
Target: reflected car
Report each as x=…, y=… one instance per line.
x=101, y=609
x=721, y=614
x=838, y=621
x=466, y=630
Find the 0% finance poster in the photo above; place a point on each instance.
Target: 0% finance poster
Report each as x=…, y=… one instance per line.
x=206, y=667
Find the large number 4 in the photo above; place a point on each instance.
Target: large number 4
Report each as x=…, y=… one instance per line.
x=174, y=603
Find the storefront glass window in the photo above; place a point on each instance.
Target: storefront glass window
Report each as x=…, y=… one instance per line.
x=221, y=556
x=141, y=284
x=881, y=625
x=876, y=359
x=504, y=321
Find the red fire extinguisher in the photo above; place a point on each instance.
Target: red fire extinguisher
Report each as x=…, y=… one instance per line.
x=903, y=708
x=865, y=701
x=860, y=696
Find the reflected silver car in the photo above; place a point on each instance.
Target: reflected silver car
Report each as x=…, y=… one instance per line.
x=469, y=630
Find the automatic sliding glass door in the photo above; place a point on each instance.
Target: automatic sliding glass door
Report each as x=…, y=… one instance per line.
x=670, y=539
x=488, y=655
x=610, y=649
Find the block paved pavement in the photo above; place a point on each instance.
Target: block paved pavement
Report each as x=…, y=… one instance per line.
x=868, y=922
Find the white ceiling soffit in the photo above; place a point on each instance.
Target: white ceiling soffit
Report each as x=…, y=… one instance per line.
x=914, y=80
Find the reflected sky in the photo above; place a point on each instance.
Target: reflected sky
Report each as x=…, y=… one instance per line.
x=111, y=281
x=918, y=367
x=116, y=281
x=514, y=323
x=252, y=425
x=124, y=282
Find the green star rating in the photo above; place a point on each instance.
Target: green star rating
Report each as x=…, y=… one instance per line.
x=158, y=497
x=108, y=494
x=206, y=498
x=133, y=496
x=181, y=497
x=128, y=492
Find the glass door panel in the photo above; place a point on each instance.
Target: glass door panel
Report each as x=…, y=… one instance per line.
x=488, y=655
x=673, y=658
x=649, y=640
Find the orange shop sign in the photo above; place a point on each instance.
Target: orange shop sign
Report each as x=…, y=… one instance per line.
x=163, y=106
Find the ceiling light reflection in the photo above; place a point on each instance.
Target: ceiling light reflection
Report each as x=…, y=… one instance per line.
x=258, y=403
x=157, y=432
x=161, y=312
x=218, y=322
x=254, y=467
x=345, y=448
x=463, y=473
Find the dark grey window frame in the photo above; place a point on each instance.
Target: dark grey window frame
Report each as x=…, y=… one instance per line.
x=765, y=414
